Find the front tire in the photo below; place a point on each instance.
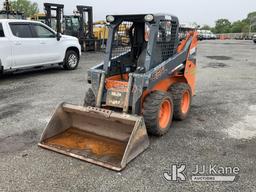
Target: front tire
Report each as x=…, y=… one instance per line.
x=71, y=60
x=182, y=97
x=158, y=112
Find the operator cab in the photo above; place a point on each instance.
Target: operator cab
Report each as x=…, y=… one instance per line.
x=72, y=25
x=133, y=47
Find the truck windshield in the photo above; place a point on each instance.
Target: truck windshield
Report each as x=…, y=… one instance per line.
x=75, y=23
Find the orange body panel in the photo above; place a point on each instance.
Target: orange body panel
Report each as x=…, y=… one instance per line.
x=119, y=82
x=183, y=43
x=163, y=85
x=190, y=69
x=190, y=75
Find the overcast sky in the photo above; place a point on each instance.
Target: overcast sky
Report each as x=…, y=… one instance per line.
x=199, y=11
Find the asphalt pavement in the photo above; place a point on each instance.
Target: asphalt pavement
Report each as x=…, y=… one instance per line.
x=220, y=130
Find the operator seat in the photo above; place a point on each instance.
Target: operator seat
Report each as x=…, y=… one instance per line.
x=157, y=58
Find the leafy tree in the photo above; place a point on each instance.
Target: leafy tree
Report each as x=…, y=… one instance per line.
x=223, y=26
x=252, y=20
x=25, y=6
x=213, y=30
x=240, y=26
x=237, y=27
x=252, y=16
x=205, y=27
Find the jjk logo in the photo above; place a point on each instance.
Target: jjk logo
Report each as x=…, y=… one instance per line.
x=176, y=173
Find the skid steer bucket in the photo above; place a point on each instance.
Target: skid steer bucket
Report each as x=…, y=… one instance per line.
x=95, y=135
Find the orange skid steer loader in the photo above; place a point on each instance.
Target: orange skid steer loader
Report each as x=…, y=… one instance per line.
x=147, y=79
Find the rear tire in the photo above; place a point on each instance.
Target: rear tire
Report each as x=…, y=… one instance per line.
x=71, y=60
x=158, y=112
x=182, y=97
x=89, y=99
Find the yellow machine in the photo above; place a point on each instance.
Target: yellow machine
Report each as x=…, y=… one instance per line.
x=100, y=33
x=39, y=17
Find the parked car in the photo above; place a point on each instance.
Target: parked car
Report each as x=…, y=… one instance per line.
x=206, y=35
x=200, y=37
x=254, y=38
x=26, y=44
x=213, y=36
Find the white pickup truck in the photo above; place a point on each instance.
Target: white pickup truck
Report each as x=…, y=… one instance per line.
x=26, y=44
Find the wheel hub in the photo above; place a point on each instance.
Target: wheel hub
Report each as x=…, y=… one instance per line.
x=165, y=114
x=72, y=60
x=185, y=102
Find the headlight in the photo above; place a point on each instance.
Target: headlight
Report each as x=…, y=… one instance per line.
x=149, y=18
x=110, y=18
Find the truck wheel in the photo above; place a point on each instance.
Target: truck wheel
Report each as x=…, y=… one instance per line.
x=71, y=60
x=158, y=112
x=89, y=99
x=182, y=96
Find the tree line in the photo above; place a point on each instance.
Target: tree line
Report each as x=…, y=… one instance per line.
x=241, y=26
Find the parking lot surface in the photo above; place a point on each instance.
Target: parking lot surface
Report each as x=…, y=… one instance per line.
x=221, y=129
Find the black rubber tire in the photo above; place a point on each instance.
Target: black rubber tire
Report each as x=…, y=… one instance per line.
x=89, y=99
x=151, y=107
x=66, y=64
x=177, y=90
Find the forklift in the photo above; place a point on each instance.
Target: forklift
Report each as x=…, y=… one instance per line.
x=77, y=25
x=72, y=24
x=38, y=17
x=92, y=35
x=54, y=20
x=80, y=26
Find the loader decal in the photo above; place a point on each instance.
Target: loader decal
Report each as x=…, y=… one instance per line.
x=157, y=74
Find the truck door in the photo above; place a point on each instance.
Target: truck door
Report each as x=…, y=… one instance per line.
x=25, y=46
x=50, y=49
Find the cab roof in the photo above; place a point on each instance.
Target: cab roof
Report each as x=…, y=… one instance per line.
x=140, y=17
